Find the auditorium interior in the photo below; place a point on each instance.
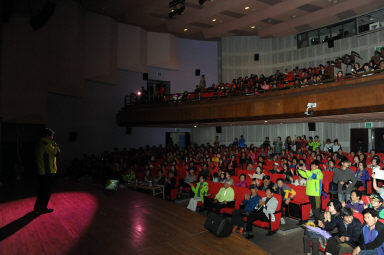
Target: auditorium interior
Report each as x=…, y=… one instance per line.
x=161, y=108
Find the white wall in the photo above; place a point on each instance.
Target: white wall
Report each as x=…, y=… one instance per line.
x=237, y=53
x=255, y=134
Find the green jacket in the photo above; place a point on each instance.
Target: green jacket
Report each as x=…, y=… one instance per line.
x=46, y=157
x=225, y=195
x=314, y=181
x=314, y=145
x=203, y=190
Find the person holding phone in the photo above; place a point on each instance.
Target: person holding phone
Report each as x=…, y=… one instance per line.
x=313, y=188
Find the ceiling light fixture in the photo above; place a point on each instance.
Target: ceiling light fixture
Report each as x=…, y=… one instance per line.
x=246, y=8
x=213, y=20
x=266, y=121
x=253, y=27
x=185, y=29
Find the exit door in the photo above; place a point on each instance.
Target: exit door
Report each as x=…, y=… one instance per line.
x=359, y=140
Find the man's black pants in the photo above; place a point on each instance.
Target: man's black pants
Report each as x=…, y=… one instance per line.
x=43, y=192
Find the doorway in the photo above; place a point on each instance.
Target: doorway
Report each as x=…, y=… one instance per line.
x=157, y=89
x=182, y=139
x=359, y=140
x=379, y=139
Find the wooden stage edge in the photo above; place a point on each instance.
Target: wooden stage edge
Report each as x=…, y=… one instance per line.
x=90, y=220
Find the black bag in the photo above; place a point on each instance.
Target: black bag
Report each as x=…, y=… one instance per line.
x=217, y=225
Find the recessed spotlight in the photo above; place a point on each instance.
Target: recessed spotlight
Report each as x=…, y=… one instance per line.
x=246, y=8
x=195, y=126
x=253, y=27
x=213, y=20
x=266, y=121
x=185, y=29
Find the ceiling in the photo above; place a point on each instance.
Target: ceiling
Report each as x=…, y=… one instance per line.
x=266, y=18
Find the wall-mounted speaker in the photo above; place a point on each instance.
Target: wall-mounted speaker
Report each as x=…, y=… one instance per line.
x=256, y=57
x=218, y=130
x=331, y=43
x=39, y=20
x=311, y=126
x=197, y=72
x=145, y=76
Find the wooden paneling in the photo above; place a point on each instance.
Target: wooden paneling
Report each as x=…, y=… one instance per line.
x=359, y=95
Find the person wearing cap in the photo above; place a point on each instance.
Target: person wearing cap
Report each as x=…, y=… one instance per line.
x=377, y=204
x=275, y=169
x=345, y=179
x=371, y=241
x=314, y=186
x=46, y=151
x=286, y=193
x=249, y=203
x=224, y=198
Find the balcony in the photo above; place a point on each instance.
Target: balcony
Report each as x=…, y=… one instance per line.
x=354, y=99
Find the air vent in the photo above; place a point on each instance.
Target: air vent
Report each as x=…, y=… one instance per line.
x=309, y=8
x=232, y=14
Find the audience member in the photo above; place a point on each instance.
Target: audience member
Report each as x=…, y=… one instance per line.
x=200, y=191
x=345, y=180
x=249, y=203
x=266, y=209
x=224, y=198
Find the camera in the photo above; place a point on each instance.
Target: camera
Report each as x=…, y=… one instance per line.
x=345, y=184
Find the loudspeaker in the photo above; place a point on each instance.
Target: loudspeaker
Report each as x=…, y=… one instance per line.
x=218, y=225
x=39, y=20
x=197, y=72
x=256, y=57
x=72, y=136
x=218, y=130
x=145, y=76
x=331, y=43
x=128, y=130
x=312, y=126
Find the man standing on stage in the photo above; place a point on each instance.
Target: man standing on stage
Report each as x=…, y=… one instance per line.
x=46, y=151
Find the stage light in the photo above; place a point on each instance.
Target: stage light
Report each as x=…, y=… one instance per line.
x=138, y=93
x=247, y=8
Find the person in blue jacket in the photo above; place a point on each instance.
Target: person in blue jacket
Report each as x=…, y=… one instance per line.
x=249, y=203
x=371, y=240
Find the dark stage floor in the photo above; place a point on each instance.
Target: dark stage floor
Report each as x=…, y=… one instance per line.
x=87, y=220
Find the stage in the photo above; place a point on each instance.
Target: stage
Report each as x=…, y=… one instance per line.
x=88, y=220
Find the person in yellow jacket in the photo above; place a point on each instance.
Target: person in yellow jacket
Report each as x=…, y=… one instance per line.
x=46, y=151
x=314, y=186
x=200, y=191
